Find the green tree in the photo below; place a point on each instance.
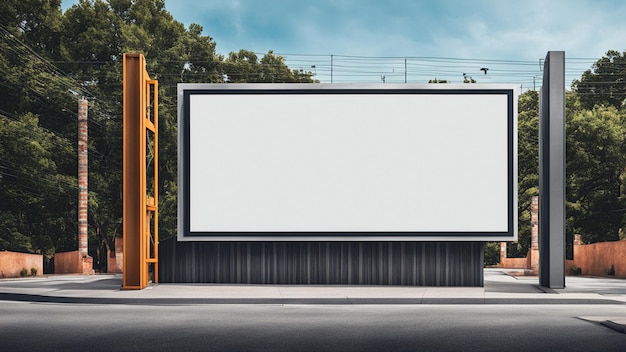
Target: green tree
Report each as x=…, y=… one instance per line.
x=244, y=66
x=37, y=157
x=241, y=67
x=202, y=64
x=37, y=22
x=528, y=164
x=274, y=69
x=492, y=253
x=30, y=33
x=47, y=60
x=604, y=83
x=38, y=203
x=596, y=156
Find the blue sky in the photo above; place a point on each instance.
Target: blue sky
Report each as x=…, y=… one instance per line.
x=369, y=38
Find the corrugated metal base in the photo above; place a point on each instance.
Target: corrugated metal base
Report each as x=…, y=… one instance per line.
x=322, y=263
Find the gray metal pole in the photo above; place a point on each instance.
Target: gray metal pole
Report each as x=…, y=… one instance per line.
x=331, y=68
x=552, y=172
x=405, y=70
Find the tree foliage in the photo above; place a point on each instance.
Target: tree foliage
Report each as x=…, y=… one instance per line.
x=595, y=167
x=604, y=83
x=38, y=205
x=528, y=168
x=47, y=60
x=245, y=66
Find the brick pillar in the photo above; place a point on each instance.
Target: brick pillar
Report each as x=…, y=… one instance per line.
x=577, y=243
x=534, y=234
x=502, y=252
x=79, y=262
x=82, y=177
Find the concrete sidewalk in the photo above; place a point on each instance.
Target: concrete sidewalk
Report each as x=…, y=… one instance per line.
x=500, y=288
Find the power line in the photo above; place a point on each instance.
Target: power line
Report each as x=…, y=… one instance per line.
x=19, y=51
x=356, y=68
x=349, y=68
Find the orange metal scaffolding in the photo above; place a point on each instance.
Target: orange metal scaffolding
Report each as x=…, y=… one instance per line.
x=140, y=176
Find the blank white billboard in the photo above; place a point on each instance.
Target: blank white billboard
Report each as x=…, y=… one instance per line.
x=347, y=162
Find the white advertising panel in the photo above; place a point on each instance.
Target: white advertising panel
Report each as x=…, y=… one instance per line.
x=347, y=162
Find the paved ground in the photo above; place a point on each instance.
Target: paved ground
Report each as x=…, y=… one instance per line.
x=509, y=313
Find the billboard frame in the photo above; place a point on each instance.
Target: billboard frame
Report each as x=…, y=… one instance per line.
x=185, y=91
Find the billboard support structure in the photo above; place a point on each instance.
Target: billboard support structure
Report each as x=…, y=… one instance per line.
x=552, y=172
x=140, y=175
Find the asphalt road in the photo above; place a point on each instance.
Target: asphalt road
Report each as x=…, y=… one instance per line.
x=45, y=326
x=91, y=313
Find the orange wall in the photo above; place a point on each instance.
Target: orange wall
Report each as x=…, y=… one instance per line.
x=73, y=263
x=514, y=263
x=595, y=259
x=68, y=263
x=11, y=263
x=115, y=260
